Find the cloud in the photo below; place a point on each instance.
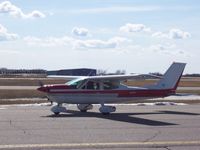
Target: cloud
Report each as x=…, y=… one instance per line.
x=112, y=43
x=129, y=28
x=6, y=36
x=80, y=31
x=10, y=52
x=99, y=44
x=78, y=44
x=9, y=8
x=94, y=44
x=49, y=41
x=160, y=35
x=173, y=34
x=117, y=9
x=178, y=34
x=167, y=48
x=161, y=47
x=35, y=14
x=129, y=9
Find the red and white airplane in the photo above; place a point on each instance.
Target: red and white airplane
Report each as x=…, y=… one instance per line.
x=85, y=91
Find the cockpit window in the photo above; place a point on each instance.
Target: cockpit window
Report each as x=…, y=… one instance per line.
x=92, y=85
x=85, y=84
x=110, y=85
x=75, y=82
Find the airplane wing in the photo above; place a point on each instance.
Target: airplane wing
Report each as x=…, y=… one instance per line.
x=107, y=77
x=122, y=77
x=67, y=77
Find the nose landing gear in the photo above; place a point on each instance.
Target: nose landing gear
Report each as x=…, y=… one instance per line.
x=58, y=109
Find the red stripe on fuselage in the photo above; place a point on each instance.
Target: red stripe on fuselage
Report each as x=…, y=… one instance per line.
x=120, y=93
x=145, y=93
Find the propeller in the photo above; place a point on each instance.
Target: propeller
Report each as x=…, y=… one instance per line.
x=41, y=88
x=40, y=83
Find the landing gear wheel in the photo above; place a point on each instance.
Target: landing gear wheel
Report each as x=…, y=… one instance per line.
x=56, y=113
x=84, y=107
x=83, y=110
x=106, y=113
x=58, y=109
x=106, y=110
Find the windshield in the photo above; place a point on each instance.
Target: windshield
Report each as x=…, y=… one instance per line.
x=74, y=82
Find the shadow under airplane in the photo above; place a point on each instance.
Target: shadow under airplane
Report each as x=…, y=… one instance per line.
x=124, y=117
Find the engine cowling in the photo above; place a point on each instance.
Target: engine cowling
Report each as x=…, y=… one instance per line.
x=84, y=107
x=107, y=109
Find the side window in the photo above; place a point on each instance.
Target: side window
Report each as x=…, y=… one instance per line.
x=106, y=85
x=110, y=85
x=92, y=85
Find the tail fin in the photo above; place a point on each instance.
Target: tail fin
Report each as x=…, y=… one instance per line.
x=171, y=77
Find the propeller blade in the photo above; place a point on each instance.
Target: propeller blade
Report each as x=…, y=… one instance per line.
x=41, y=83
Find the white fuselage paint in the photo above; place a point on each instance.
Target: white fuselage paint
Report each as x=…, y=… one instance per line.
x=92, y=98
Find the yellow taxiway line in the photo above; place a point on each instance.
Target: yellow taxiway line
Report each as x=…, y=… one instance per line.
x=106, y=145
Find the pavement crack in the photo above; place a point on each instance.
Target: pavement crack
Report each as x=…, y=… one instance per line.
x=167, y=148
x=152, y=137
x=17, y=127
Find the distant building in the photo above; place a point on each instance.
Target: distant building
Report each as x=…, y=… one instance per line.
x=5, y=71
x=74, y=72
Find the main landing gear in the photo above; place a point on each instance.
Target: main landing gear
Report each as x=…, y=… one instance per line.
x=105, y=110
x=59, y=108
x=84, y=107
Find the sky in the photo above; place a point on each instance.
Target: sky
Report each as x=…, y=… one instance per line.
x=138, y=36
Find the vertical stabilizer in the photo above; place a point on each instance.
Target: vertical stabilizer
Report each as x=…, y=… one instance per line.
x=171, y=77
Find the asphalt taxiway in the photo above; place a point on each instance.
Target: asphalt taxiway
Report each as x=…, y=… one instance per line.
x=35, y=87
x=141, y=127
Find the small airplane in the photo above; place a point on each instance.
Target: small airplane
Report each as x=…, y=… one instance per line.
x=85, y=91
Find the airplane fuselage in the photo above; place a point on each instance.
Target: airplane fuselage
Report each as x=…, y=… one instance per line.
x=61, y=94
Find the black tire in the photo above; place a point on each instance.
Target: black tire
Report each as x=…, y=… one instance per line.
x=56, y=113
x=83, y=110
x=106, y=113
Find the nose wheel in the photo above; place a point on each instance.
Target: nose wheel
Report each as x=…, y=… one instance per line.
x=56, y=113
x=58, y=109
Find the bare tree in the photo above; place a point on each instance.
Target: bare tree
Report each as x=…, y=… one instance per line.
x=120, y=72
x=101, y=72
